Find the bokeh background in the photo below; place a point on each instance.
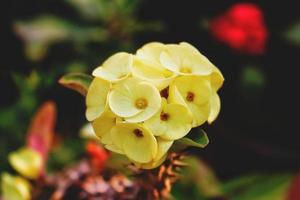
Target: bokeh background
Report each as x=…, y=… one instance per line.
x=257, y=129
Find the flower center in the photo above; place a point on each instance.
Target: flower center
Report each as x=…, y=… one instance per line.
x=141, y=103
x=190, y=96
x=165, y=93
x=185, y=70
x=164, y=116
x=138, y=133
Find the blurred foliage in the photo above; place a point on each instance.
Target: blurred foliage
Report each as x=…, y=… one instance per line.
x=292, y=35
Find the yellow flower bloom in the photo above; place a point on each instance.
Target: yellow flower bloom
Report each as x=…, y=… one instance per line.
x=149, y=72
x=162, y=148
x=115, y=68
x=96, y=98
x=15, y=187
x=136, y=141
x=134, y=100
x=183, y=61
x=172, y=122
x=27, y=162
x=194, y=92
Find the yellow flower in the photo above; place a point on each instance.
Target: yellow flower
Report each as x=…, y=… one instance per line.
x=27, y=162
x=172, y=122
x=217, y=78
x=184, y=61
x=115, y=68
x=96, y=98
x=136, y=141
x=162, y=148
x=15, y=187
x=134, y=100
x=194, y=92
x=149, y=72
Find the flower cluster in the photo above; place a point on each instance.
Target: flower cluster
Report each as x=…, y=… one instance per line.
x=139, y=104
x=242, y=27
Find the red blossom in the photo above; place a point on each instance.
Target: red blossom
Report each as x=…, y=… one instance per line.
x=241, y=27
x=98, y=154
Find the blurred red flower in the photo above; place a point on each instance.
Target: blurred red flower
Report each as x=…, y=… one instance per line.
x=241, y=27
x=98, y=154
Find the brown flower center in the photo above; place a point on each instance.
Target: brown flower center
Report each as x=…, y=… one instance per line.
x=164, y=116
x=165, y=93
x=141, y=103
x=190, y=96
x=138, y=133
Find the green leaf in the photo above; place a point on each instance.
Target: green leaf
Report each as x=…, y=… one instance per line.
x=77, y=81
x=198, y=140
x=293, y=34
x=258, y=187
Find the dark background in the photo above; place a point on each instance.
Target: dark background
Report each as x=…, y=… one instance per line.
x=255, y=131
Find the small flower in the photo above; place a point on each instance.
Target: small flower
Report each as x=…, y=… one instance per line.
x=115, y=68
x=193, y=92
x=15, y=187
x=96, y=98
x=184, y=61
x=27, y=162
x=134, y=100
x=172, y=122
x=242, y=27
x=136, y=141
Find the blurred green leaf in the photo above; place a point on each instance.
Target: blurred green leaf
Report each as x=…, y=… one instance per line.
x=199, y=180
x=40, y=33
x=293, y=34
x=199, y=140
x=253, y=77
x=77, y=81
x=258, y=187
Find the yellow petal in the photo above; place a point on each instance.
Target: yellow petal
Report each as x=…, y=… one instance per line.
x=200, y=113
x=96, y=98
x=15, y=187
x=135, y=100
x=195, y=92
x=217, y=79
x=103, y=125
x=115, y=68
x=172, y=122
x=183, y=61
x=215, y=106
x=152, y=164
x=162, y=148
x=27, y=162
x=149, y=72
x=136, y=141
x=151, y=52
